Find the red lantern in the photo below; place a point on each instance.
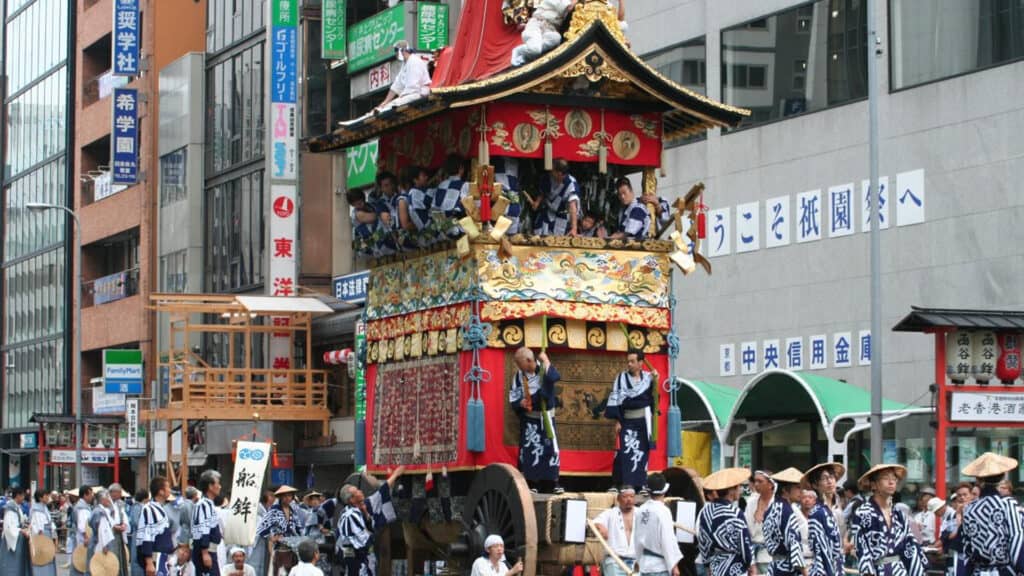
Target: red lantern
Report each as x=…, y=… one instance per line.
x=1008, y=365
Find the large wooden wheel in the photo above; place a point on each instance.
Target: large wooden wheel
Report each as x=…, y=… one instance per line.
x=685, y=483
x=499, y=502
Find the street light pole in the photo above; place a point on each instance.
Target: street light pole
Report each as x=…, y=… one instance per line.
x=874, y=214
x=76, y=376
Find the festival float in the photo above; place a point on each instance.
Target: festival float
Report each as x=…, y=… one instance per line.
x=442, y=322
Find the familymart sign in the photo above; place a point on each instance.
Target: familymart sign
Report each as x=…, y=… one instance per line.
x=122, y=371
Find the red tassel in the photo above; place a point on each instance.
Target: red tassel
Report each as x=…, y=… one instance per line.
x=273, y=458
x=702, y=225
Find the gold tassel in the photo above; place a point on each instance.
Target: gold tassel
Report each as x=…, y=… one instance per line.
x=602, y=159
x=548, y=148
x=661, y=168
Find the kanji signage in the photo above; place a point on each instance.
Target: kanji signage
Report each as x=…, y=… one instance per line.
x=283, y=64
x=131, y=416
x=980, y=407
x=250, y=466
x=379, y=77
x=284, y=141
x=372, y=40
x=352, y=288
x=125, y=136
x=126, y=38
x=431, y=26
x=332, y=30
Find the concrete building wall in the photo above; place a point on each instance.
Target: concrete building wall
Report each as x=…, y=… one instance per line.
x=962, y=132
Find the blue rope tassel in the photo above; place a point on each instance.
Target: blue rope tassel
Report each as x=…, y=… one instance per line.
x=674, y=447
x=474, y=336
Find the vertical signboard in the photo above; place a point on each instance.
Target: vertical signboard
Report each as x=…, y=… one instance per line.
x=283, y=160
x=250, y=466
x=124, y=150
x=359, y=456
x=333, y=30
x=431, y=26
x=126, y=38
x=131, y=416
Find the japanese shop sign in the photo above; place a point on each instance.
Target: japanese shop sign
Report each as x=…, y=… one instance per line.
x=126, y=38
x=124, y=151
x=284, y=149
x=333, y=30
x=361, y=162
x=979, y=407
x=352, y=288
x=250, y=466
x=372, y=40
x=431, y=26
x=283, y=64
x=379, y=77
x=122, y=371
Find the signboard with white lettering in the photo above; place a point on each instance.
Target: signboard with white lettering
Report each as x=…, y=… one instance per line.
x=373, y=40
x=431, y=26
x=104, y=403
x=250, y=465
x=981, y=407
x=88, y=456
x=126, y=38
x=122, y=371
x=131, y=415
x=352, y=288
x=361, y=164
x=125, y=136
x=333, y=29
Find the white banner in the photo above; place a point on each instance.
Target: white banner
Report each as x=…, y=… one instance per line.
x=979, y=407
x=250, y=466
x=132, y=416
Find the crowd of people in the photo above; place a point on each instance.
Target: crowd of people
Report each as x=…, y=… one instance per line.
x=160, y=534
x=423, y=207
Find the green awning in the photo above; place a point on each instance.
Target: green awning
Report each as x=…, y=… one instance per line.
x=782, y=394
x=700, y=401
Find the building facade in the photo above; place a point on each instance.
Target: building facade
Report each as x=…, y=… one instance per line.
x=786, y=192
x=38, y=112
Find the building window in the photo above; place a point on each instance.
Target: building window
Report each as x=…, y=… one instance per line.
x=172, y=177
x=934, y=39
x=174, y=272
x=234, y=233
x=816, y=58
x=685, y=64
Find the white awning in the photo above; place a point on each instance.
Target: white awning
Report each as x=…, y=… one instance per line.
x=283, y=305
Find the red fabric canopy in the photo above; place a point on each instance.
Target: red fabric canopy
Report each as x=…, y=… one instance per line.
x=483, y=45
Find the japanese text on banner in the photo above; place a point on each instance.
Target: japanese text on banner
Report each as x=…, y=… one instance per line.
x=126, y=38
x=250, y=466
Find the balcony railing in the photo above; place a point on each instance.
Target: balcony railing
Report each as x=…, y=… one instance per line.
x=110, y=288
x=98, y=188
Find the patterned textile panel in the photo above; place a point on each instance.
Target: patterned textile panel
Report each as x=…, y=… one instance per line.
x=429, y=281
x=586, y=380
x=616, y=277
x=416, y=411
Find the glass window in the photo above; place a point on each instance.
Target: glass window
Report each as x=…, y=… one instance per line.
x=316, y=82
x=173, y=182
x=799, y=60
x=174, y=272
x=234, y=233
x=685, y=64
x=234, y=110
x=933, y=39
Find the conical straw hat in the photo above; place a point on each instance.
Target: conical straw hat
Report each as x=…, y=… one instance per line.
x=990, y=464
x=838, y=470
x=865, y=480
x=104, y=564
x=726, y=478
x=43, y=550
x=79, y=559
x=788, y=476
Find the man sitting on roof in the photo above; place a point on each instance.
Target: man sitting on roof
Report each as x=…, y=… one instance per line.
x=412, y=82
x=542, y=30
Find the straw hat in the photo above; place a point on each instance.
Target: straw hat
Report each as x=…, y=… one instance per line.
x=104, y=564
x=72, y=492
x=313, y=494
x=788, y=476
x=990, y=464
x=286, y=489
x=838, y=470
x=79, y=557
x=43, y=550
x=865, y=480
x=726, y=478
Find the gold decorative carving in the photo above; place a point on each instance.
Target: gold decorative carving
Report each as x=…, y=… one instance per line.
x=589, y=13
x=594, y=67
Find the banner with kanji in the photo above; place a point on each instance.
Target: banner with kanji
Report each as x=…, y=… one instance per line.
x=250, y=466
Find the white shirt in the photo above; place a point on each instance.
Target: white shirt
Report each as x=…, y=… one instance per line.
x=925, y=522
x=482, y=567
x=655, y=533
x=413, y=79
x=761, y=555
x=805, y=541
x=305, y=569
x=12, y=527
x=612, y=520
x=229, y=570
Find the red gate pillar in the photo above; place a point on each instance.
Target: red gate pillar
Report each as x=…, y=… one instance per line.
x=941, y=415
